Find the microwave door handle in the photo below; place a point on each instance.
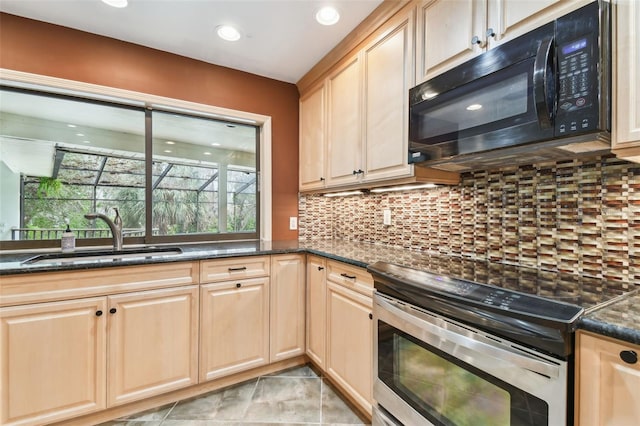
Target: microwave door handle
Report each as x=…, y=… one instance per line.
x=540, y=89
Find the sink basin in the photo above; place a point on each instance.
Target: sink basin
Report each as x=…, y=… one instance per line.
x=104, y=255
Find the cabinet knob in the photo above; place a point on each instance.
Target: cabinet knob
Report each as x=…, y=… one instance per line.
x=477, y=40
x=370, y=316
x=320, y=268
x=630, y=357
x=490, y=32
x=98, y=313
x=321, y=179
x=113, y=310
x=238, y=285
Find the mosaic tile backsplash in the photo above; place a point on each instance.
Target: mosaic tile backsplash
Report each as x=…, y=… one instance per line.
x=579, y=216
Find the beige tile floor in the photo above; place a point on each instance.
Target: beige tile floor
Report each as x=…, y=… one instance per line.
x=292, y=397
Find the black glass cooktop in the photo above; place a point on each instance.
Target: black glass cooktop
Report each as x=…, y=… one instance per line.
x=512, y=302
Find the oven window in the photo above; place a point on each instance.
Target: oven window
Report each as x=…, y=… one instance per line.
x=457, y=394
x=448, y=391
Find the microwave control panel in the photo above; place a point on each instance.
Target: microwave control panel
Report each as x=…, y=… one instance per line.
x=579, y=38
x=578, y=87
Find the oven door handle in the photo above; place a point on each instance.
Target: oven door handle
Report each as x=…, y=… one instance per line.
x=434, y=335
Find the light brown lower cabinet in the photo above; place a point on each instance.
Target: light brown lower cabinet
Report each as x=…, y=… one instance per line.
x=234, y=327
x=287, y=307
x=53, y=360
x=607, y=381
x=59, y=359
x=350, y=342
x=316, y=310
x=153, y=343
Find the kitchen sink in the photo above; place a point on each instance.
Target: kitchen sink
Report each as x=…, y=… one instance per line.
x=104, y=255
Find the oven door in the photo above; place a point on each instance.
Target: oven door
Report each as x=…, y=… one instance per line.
x=431, y=370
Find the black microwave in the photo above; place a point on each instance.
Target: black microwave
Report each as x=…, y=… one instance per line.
x=548, y=88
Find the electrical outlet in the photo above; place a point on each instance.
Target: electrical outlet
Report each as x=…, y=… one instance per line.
x=386, y=217
x=293, y=223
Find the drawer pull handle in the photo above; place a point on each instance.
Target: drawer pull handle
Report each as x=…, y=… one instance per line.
x=242, y=268
x=351, y=277
x=630, y=357
x=238, y=285
x=98, y=313
x=113, y=310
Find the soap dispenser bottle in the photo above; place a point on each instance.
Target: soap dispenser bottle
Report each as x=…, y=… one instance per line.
x=68, y=240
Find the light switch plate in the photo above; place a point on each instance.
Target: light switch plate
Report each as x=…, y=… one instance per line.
x=293, y=223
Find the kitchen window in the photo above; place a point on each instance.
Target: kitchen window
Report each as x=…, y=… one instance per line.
x=174, y=176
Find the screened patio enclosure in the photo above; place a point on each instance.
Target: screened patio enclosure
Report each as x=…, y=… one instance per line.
x=185, y=196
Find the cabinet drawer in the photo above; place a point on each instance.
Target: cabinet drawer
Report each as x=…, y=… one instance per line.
x=352, y=277
x=64, y=285
x=234, y=269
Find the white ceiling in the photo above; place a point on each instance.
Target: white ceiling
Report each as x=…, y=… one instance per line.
x=281, y=39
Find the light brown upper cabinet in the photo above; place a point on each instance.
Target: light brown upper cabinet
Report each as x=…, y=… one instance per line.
x=450, y=32
x=354, y=124
x=313, y=141
x=626, y=87
x=344, y=146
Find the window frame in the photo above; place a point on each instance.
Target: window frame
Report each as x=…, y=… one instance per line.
x=51, y=86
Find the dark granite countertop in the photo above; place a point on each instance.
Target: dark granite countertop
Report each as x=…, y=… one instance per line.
x=604, y=314
x=619, y=320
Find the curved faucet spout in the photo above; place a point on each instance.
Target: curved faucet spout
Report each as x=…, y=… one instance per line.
x=115, y=225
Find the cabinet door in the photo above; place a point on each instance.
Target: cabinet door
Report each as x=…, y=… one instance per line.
x=345, y=133
x=445, y=32
x=53, y=361
x=350, y=342
x=508, y=19
x=316, y=310
x=608, y=388
x=626, y=130
x=234, y=327
x=287, y=306
x=153, y=342
x=389, y=68
x=312, y=140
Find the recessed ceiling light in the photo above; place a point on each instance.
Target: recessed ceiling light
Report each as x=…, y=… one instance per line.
x=167, y=151
x=215, y=144
x=116, y=3
x=71, y=125
x=170, y=142
x=79, y=134
x=227, y=32
x=207, y=153
x=327, y=16
x=474, y=107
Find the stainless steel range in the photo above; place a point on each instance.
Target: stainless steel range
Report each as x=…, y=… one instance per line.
x=455, y=352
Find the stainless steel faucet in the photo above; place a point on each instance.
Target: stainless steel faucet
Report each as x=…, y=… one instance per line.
x=115, y=225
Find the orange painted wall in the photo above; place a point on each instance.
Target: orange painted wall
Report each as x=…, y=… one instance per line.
x=46, y=49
